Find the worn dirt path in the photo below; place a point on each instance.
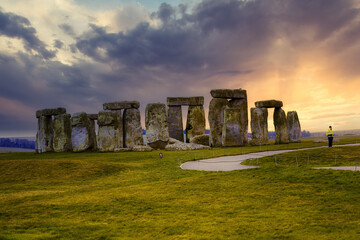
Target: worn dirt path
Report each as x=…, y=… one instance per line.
x=230, y=163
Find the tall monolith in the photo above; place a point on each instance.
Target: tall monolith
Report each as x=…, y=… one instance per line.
x=259, y=126
x=231, y=134
x=44, y=135
x=280, y=123
x=195, y=124
x=242, y=105
x=175, y=123
x=80, y=133
x=107, y=132
x=62, y=133
x=216, y=120
x=132, y=128
x=294, y=128
x=157, y=131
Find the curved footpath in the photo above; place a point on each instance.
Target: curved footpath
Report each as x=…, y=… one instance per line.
x=230, y=163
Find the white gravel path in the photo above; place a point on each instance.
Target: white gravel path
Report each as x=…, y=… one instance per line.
x=230, y=163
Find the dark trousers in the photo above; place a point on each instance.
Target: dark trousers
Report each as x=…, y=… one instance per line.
x=330, y=141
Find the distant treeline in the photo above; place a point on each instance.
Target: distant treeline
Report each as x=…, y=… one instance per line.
x=17, y=143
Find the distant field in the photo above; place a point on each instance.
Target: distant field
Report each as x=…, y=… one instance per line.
x=11, y=149
x=140, y=196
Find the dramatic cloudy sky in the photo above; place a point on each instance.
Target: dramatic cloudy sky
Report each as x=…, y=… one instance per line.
x=81, y=53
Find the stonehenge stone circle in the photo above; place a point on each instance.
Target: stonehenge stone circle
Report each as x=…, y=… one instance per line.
x=157, y=131
x=44, y=135
x=195, y=123
x=232, y=134
x=216, y=120
x=50, y=112
x=80, y=133
x=107, y=132
x=269, y=104
x=132, y=128
x=259, y=126
x=228, y=93
x=242, y=105
x=175, y=123
x=293, y=125
x=280, y=123
x=62, y=133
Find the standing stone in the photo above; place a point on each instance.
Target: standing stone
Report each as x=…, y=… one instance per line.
x=80, y=133
x=175, y=123
x=132, y=128
x=92, y=133
x=157, y=132
x=62, y=133
x=216, y=120
x=259, y=126
x=232, y=135
x=280, y=123
x=44, y=135
x=119, y=126
x=242, y=105
x=107, y=137
x=294, y=128
x=195, y=124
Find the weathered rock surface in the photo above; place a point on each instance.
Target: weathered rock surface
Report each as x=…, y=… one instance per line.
x=176, y=145
x=157, y=131
x=80, y=135
x=121, y=105
x=175, y=123
x=294, y=128
x=132, y=128
x=50, y=112
x=269, y=104
x=62, y=133
x=93, y=116
x=92, y=133
x=216, y=120
x=280, y=123
x=259, y=126
x=107, y=118
x=201, y=139
x=228, y=93
x=44, y=135
x=232, y=133
x=138, y=148
x=185, y=101
x=107, y=138
x=244, y=118
x=195, y=124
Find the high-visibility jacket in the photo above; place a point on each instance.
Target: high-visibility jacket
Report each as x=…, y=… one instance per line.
x=329, y=133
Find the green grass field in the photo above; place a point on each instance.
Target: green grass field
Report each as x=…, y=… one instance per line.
x=140, y=196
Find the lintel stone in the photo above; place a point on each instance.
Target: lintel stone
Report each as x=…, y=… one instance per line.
x=93, y=116
x=185, y=101
x=50, y=112
x=269, y=104
x=228, y=93
x=121, y=105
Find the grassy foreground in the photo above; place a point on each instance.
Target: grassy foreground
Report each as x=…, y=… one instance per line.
x=140, y=196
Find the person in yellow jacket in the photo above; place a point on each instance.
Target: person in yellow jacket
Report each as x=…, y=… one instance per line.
x=330, y=136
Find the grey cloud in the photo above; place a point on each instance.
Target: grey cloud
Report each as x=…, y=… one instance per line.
x=68, y=29
x=58, y=44
x=15, y=26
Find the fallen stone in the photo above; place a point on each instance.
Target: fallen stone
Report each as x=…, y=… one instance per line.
x=176, y=145
x=50, y=112
x=216, y=120
x=123, y=150
x=269, y=104
x=293, y=125
x=121, y=105
x=132, y=128
x=244, y=118
x=195, y=124
x=228, y=93
x=201, y=139
x=232, y=133
x=259, y=126
x=44, y=135
x=157, y=131
x=107, y=118
x=280, y=122
x=175, y=123
x=138, y=148
x=62, y=133
x=80, y=134
x=185, y=101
